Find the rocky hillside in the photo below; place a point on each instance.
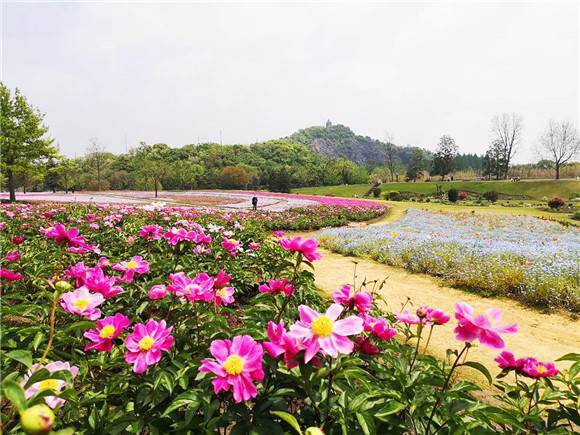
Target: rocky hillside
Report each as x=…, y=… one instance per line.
x=336, y=140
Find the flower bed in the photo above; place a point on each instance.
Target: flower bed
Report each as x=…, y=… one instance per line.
x=532, y=260
x=168, y=320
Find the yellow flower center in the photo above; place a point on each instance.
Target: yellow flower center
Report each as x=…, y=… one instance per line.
x=81, y=304
x=234, y=365
x=541, y=369
x=48, y=384
x=222, y=292
x=393, y=234
x=322, y=326
x=372, y=324
x=107, y=331
x=131, y=265
x=146, y=343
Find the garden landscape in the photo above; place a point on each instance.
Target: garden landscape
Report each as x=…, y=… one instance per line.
x=158, y=279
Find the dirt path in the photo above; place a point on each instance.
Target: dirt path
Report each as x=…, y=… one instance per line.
x=545, y=336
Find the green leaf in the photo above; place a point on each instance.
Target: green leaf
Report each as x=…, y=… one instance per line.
x=570, y=357
x=481, y=368
x=288, y=418
x=22, y=356
x=393, y=407
x=366, y=423
x=15, y=394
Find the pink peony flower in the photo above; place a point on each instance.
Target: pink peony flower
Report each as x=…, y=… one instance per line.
x=364, y=345
x=197, y=289
x=254, y=246
x=231, y=245
x=96, y=281
x=78, y=272
x=8, y=275
x=425, y=316
x=135, y=266
x=12, y=256
x=145, y=344
x=107, y=330
x=55, y=385
x=61, y=236
x=83, y=303
x=279, y=233
x=17, y=240
x=151, y=232
x=483, y=327
x=362, y=301
x=307, y=247
x=507, y=360
x=436, y=317
x=156, y=292
x=277, y=287
x=282, y=344
x=536, y=369
x=324, y=332
x=237, y=364
x=379, y=328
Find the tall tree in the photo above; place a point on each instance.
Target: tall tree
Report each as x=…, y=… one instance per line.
x=23, y=141
x=391, y=159
x=96, y=156
x=559, y=143
x=416, y=166
x=444, y=158
x=506, y=129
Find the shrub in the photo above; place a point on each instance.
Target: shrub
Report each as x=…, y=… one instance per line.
x=575, y=216
x=556, y=202
x=376, y=192
x=393, y=195
x=453, y=195
x=491, y=195
x=463, y=195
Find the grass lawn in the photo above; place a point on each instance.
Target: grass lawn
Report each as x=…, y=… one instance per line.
x=531, y=189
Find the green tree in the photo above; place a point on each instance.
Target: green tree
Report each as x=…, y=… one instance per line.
x=23, y=141
x=416, y=166
x=444, y=158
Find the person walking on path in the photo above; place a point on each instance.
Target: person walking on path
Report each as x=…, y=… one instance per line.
x=255, y=203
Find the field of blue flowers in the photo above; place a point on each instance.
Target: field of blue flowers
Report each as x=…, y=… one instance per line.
x=526, y=258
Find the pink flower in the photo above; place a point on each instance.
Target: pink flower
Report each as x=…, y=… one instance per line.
x=132, y=267
x=55, y=385
x=364, y=345
x=324, y=332
x=507, y=360
x=306, y=247
x=279, y=233
x=97, y=281
x=151, y=232
x=536, y=369
x=231, y=245
x=83, y=303
x=436, y=317
x=199, y=288
x=277, y=287
x=362, y=301
x=237, y=364
x=281, y=343
x=63, y=237
x=13, y=256
x=379, y=327
x=408, y=318
x=222, y=279
x=157, y=292
x=254, y=246
x=223, y=296
x=107, y=330
x=8, y=275
x=424, y=315
x=17, y=240
x=78, y=272
x=483, y=327
x=145, y=344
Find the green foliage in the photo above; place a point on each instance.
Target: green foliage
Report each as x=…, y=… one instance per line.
x=453, y=195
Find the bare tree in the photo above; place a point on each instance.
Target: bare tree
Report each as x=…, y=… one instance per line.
x=391, y=158
x=559, y=143
x=95, y=152
x=506, y=129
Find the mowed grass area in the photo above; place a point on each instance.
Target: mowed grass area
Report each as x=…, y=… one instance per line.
x=531, y=189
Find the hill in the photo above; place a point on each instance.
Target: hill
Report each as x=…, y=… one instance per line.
x=337, y=140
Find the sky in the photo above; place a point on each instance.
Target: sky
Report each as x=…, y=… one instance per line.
x=189, y=72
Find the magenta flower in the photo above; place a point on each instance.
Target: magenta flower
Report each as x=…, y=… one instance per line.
x=364, y=345
x=55, y=385
x=237, y=364
x=107, y=330
x=507, y=360
x=436, y=317
x=151, y=232
x=282, y=286
x=222, y=279
x=307, y=247
x=324, y=332
x=408, y=318
x=536, y=369
x=83, y=303
x=17, y=240
x=96, y=281
x=197, y=289
x=282, y=344
x=145, y=344
x=135, y=266
x=483, y=327
x=61, y=236
x=156, y=292
x=362, y=301
x=78, y=272
x=254, y=246
x=231, y=245
x=8, y=275
x=279, y=233
x=379, y=328
x=12, y=256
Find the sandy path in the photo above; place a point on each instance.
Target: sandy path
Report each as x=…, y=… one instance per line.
x=545, y=336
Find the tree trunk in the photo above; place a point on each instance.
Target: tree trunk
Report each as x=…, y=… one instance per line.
x=155, y=183
x=10, y=176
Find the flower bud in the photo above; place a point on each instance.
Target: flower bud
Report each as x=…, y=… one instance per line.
x=313, y=431
x=37, y=420
x=62, y=286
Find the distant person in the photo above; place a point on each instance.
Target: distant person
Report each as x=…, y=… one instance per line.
x=255, y=203
x=72, y=189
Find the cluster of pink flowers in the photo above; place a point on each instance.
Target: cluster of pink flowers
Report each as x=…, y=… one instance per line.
x=71, y=238
x=361, y=301
x=423, y=316
x=8, y=275
x=482, y=327
x=529, y=366
x=282, y=286
x=202, y=287
x=306, y=247
x=176, y=235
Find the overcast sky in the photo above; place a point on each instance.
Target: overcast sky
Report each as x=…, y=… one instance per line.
x=181, y=73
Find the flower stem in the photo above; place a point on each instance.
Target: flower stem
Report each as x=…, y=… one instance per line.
x=51, y=333
x=428, y=340
x=419, y=332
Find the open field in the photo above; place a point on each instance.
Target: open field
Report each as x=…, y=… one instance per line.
x=532, y=189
